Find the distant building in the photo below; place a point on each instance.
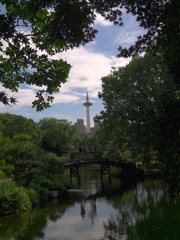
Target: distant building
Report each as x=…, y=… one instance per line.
x=87, y=104
x=80, y=125
x=95, y=128
x=80, y=122
x=82, y=128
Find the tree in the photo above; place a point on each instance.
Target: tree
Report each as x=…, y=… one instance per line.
x=15, y=125
x=31, y=31
x=19, y=139
x=135, y=100
x=6, y=100
x=6, y=170
x=26, y=158
x=13, y=198
x=33, y=167
x=57, y=135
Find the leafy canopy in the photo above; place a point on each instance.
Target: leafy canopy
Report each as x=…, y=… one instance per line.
x=32, y=31
x=58, y=135
x=135, y=100
x=14, y=125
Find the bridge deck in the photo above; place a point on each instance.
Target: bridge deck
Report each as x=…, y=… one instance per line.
x=128, y=168
x=84, y=162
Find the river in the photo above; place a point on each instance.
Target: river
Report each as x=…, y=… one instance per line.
x=116, y=211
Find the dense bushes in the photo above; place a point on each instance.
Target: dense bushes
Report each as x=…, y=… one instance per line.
x=14, y=198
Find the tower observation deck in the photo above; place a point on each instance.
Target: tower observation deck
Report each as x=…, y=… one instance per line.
x=87, y=104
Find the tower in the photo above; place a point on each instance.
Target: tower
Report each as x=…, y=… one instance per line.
x=87, y=104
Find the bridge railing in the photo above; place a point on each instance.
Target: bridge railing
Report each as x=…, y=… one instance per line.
x=100, y=161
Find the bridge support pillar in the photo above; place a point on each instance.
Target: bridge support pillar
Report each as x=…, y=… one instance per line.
x=106, y=170
x=74, y=172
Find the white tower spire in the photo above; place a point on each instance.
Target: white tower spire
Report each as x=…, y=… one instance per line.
x=87, y=104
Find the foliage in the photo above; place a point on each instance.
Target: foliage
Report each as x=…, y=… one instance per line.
x=6, y=100
x=160, y=18
x=6, y=170
x=26, y=159
x=23, y=159
x=33, y=167
x=87, y=143
x=136, y=116
x=15, y=125
x=57, y=135
x=33, y=196
x=13, y=198
x=31, y=31
x=63, y=139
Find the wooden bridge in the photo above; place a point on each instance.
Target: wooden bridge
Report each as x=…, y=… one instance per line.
x=129, y=169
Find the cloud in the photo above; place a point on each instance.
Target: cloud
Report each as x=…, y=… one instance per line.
x=102, y=21
x=126, y=39
x=130, y=31
x=88, y=68
x=24, y=97
x=65, y=98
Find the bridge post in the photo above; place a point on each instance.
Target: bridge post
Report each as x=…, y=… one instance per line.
x=106, y=169
x=74, y=172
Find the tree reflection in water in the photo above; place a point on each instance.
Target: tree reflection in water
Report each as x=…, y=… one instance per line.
x=147, y=213
x=92, y=209
x=30, y=224
x=140, y=212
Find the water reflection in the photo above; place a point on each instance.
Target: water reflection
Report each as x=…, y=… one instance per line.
x=31, y=224
x=144, y=211
x=92, y=209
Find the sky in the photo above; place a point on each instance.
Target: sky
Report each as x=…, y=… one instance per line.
x=89, y=64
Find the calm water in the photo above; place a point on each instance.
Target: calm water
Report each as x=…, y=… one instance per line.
x=144, y=211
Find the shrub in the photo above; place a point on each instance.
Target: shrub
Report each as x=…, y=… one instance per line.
x=2, y=175
x=13, y=198
x=33, y=196
x=43, y=193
